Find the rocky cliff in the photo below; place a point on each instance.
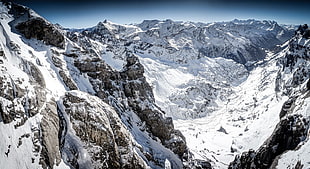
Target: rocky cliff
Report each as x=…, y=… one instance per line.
x=66, y=107
x=160, y=94
x=293, y=129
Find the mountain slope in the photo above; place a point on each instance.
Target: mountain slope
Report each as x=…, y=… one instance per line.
x=54, y=123
x=287, y=145
x=187, y=84
x=160, y=94
x=172, y=53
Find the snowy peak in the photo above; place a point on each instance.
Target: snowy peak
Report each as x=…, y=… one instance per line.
x=190, y=49
x=242, y=41
x=160, y=94
x=63, y=106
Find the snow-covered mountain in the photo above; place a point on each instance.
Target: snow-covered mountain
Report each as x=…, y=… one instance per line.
x=178, y=56
x=160, y=94
x=62, y=106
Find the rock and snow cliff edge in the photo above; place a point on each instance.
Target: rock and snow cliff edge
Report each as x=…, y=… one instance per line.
x=112, y=96
x=49, y=118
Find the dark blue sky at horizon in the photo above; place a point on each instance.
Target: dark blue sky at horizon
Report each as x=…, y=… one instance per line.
x=83, y=14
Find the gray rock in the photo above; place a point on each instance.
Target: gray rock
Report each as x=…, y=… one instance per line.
x=131, y=85
x=289, y=132
x=68, y=81
x=40, y=29
x=102, y=132
x=17, y=97
x=287, y=107
x=57, y=62
x=34, y=73
x=14, y=95
x=198, y=164
x=50, y=153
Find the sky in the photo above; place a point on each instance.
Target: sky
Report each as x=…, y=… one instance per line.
x=87, y=13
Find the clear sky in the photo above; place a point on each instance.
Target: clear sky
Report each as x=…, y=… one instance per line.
x=87, y=13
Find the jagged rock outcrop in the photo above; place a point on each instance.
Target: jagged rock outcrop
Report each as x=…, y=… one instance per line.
x=10, y=93
x=131, y=84
x=287, y=135
x=297, y=49
x=68, y=81
x=102, y=80
x=31, y=26
x=304, y=31
x=101, y=132
x=18, y=103
x=34, y=74
x=293, y=127
x=287, y=107
x=154, y=119
x=50, y=154
x=295, y=62
x=40, y=29
x=198, y=164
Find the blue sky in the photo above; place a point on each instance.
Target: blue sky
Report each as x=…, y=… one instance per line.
x=82, y=14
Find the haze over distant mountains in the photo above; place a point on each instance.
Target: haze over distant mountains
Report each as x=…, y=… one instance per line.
x=83, y=14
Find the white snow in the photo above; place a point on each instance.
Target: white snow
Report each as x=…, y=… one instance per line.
x=115, y=63
x=241, y=117
x=302, y=153
x=18, y=143
x=214, y=102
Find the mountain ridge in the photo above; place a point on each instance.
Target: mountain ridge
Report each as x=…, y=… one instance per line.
x=101, y=97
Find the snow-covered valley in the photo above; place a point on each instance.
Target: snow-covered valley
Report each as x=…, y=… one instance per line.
x=160, y=94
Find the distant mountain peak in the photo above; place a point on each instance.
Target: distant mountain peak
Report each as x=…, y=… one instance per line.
x=159, y=94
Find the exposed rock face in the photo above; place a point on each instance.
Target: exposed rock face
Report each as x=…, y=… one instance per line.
x=131, y=84
x=40, y=29
x=34, y=74
x=287, y=107
x=9, y=94
x=293, y=127
x=16, y=104
x=68, y=81
x=198, y=164
x=299, y=165
x=101, y=132
x=287, y=135
x=129, y=130
x=17, y=10
x=298, y=51
x=32, y=26
x=50, y=154
x=304, y=31
x=86, y=127
x=154, y=119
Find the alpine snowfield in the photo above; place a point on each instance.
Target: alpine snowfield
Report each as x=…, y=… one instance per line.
x=160, y=94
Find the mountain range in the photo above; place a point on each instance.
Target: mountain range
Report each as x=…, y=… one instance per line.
x=159, y=94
